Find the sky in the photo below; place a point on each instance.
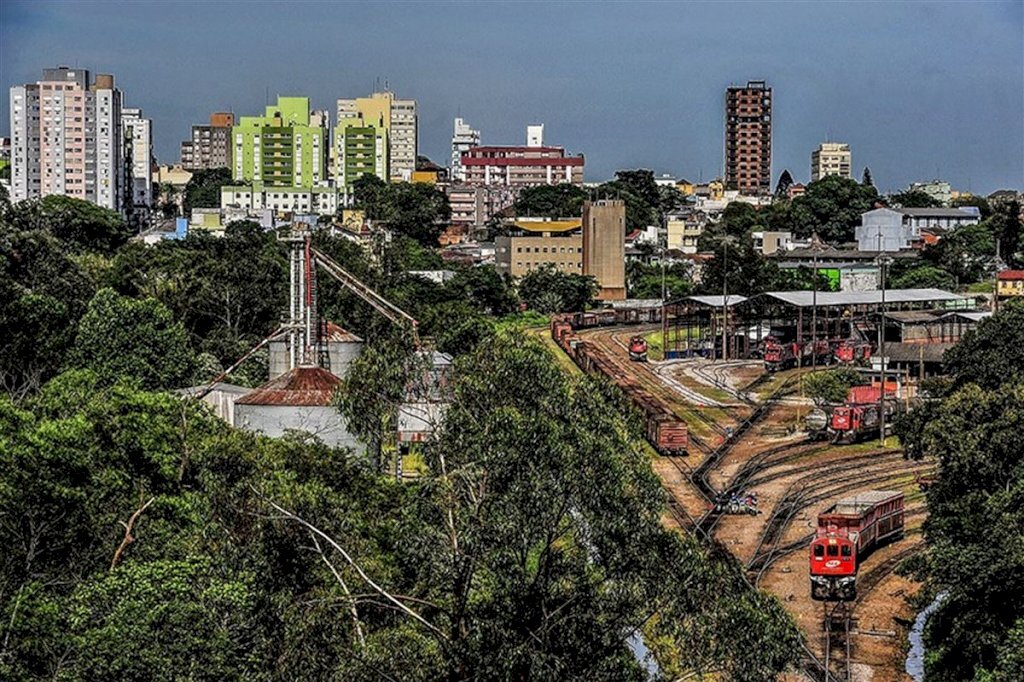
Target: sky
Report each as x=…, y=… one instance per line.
x=919, y=90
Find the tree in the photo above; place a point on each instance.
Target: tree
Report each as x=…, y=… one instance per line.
x=967, y=253
x=866, y=178
x=980, y=203
x=832, y=207
x=549, y=290
x=831, y=386
x=80, y=226
x=416, y=210
x=992, y=354
x=785, y=182
x=913, y=198
x=121, y=337
x=563, y=200
x=488, y=291
x=203, y=188
x=923, y=276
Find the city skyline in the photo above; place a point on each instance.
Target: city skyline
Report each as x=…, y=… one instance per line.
x=951, y=73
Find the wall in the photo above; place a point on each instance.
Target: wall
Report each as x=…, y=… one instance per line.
x=326, y=423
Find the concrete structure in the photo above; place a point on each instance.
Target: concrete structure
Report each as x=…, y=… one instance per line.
x=886, y=229
x=831, y=158
x=343, y=348
x=604, y=232
x=395, y=128
x=769, y=242
x=137, y=132
x=427, y=397
x=936, y=189
x=535, y=242
x=522, y=166
x=1010, y=283
x=683, y=231
x=66, y=138
x=221, y=398
x=535, y=135
x=286, y=147
x=210, y=145
x=299, y=400
x=748, y=138
x=473, y=205
x=360, y=148
x=251, y=200
x=463, y=139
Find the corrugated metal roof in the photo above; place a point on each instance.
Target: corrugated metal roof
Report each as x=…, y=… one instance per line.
x=973, y=315
x=716, y=300
x=805, y=299
x=862, y=501
x=916, y=352
x=910, y=316
x=301, y=386
x=936, y=213
x=337, y=334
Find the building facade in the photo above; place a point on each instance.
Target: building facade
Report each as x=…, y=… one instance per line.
x=604, y=246
x=748, y=138
x=463, y=139
x=256, y=198
x=1010, y=283
x=137, y=132
x=66, y=138
x=522, y=166
x=886, y=229
x=535, y=242
x=286, y=147
x=210, y=145
x=395, y=127
x=683, y=231
x=831, y=158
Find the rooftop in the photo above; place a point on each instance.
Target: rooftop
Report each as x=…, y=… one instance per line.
x=1011, y=275
x=805, y=299
x=863, y=501
x=937, y=213
x=302, y=386
x=563, y=225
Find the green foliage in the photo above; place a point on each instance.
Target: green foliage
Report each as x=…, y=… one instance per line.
x=785, y=182
x=830, y=386
x=967, y=253
x=123, y=337
x=832, y=207
x=548, y=290
x=866, y=179
x=923, y=275
x=203, y=188
x=416, y=210
x=913, y=198
x=645, y=281
x=551, y=201
x=80, y=226
x=981, y=203
x=992, y=354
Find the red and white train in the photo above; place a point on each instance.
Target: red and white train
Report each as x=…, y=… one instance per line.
x=860, y=416
x=847, y=532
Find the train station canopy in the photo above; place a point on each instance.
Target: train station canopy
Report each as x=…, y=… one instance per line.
x=806, y=299
x=716, y=301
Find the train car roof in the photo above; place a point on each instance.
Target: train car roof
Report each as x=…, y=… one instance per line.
x=858, y=503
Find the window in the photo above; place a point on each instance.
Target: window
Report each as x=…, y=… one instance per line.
x=833, y=550
x=846, y=551
x=819, y=551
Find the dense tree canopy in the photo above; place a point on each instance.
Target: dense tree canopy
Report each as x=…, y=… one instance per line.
x=549, y=290
x=203, y=188
x=831, y=207
x=551, y=201
x=913, y=198
x=81, y=226
x=416, y=210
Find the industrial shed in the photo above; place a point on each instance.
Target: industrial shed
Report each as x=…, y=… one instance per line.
x=298, y=400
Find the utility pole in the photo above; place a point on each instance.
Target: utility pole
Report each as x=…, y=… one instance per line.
x=882, y=262
x=814, y=302
x=725, y=297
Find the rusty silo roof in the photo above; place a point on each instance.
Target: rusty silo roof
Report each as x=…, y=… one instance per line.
x=338, y=334
x=302, y=386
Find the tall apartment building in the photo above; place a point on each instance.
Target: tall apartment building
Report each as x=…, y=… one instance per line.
x=286, y=147
x=210, y=145
x=748, y=138
x=360, y=148
x=521, y=166
x=66, y=138
x=137, y=132
x=395, y=124
x=604, y=246
x=831, y=158
x=463, y=139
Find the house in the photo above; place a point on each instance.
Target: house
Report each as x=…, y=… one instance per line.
x=1010, y=283
x=886, y=229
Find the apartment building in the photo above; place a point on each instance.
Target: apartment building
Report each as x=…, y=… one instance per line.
x=137, y=132
x=831, y=158
x=210, y=144
x=683, y=231
x=463, y=139
x=286, y=147
x=66, y=138
x=604, y=247
x=748, y=138
x=395, y=127
x=522, y=166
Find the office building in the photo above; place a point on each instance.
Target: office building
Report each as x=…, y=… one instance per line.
x=137, y=132
x=286, y=147
x=604, y=246
x=395, y=125
x=210, y=145
x=66, y=138
x=522, y=166
x=463, y=139
x=831, y=158
x=531, y=243
x=748, y=138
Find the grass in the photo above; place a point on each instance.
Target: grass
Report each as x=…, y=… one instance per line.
x=563, y=360
x=655, y=348
x=981, y=287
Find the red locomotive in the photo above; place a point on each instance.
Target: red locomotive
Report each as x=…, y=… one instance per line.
x=850, y=351
x=779, y=356
x=847, y=533
x=859, y=417
x=638, y=349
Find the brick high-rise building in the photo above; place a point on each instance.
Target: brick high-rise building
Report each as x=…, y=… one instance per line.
x=210, y=146
x=748, y=138
x=66, y=138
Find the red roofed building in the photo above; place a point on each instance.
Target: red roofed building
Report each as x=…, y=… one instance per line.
x=521, y=166
x=1010, y=283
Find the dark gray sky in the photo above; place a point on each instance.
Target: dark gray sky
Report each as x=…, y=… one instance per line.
x=917, y=89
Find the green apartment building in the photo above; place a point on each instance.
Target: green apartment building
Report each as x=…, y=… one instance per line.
x=286, y=147
x=361, y=149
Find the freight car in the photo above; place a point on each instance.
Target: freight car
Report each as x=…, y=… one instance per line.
x=847, y=533
x=860, y=416
x=666, y=432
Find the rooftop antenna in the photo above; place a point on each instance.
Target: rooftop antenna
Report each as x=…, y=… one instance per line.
x=266, y=95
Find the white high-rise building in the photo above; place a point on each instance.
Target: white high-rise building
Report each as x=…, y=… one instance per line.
x=831, y=158
x=66, y=138
x=463, y=138
x=138, y=136
x=535, y=135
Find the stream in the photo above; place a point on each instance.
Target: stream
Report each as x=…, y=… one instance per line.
x=915, y=657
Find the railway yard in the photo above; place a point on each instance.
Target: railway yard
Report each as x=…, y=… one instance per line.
x=752, y=483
